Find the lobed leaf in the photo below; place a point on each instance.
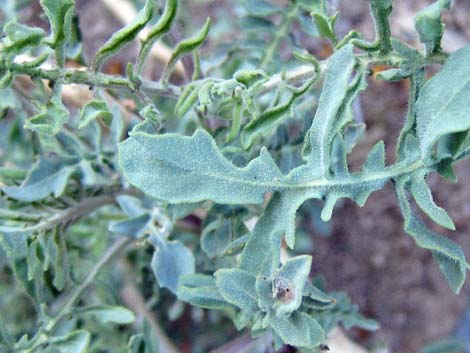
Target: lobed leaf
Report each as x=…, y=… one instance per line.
x=191, y=169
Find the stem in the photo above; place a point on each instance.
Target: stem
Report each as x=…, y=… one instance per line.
x=278, y=35
x=133, y=299
x=41, y=336
x=89, y=78
x=75, y=212
x=109, y=255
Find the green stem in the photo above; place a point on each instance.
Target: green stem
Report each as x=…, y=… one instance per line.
x=90, y=78
x=110, y=254
x=278, y=35
x=77, y=211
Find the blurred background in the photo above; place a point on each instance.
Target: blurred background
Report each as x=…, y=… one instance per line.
x=362, y=251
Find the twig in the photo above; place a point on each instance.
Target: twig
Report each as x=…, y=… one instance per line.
x=77, y=211
x=41, y=336
x=133, y=299
x=109, y=255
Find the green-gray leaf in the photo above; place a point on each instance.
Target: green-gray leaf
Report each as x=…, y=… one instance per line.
x=298, y=329
x=59, y=13
x=48, y=176
x=429, y=25
x=125, y=35
x=191, y=169
x=289, y=282
x=334, y=92
x=170, y=261
x=109, y=314
x=442, y=106
x=94, y=110
x=238, y=288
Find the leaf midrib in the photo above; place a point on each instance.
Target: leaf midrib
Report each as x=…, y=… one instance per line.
x=355, y=178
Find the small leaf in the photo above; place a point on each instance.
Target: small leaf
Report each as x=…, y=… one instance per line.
x=49, y=175
x=125, y=35
x=109, y=314
x=170, y=261
x=52, y=118
x=75, y=342
x=238, y=288
x=160, y=28
x=422, y=194
x=186, y=46
x=133, y=227
x=289, y=282
x=298, y=329
x=94, y=110
x=201, y=290
x=429, y=25
x=19, y=38
x=60, y=15
x=325, y=26
x=393, y=75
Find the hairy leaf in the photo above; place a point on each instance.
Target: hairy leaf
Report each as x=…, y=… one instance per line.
x=60, y=14
x=48, y=176
x=51, y=119
x=289, y=282
x=170, y=261
x=299, y=329
x=125, y=35
x=160, y=28
x=238, y=288
x=429, y=24
x=109, y=314
x=334, y=92
x=186, y=46
x=190, y=169
x=441, y=108
x=93, y=110
x=201, y=290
